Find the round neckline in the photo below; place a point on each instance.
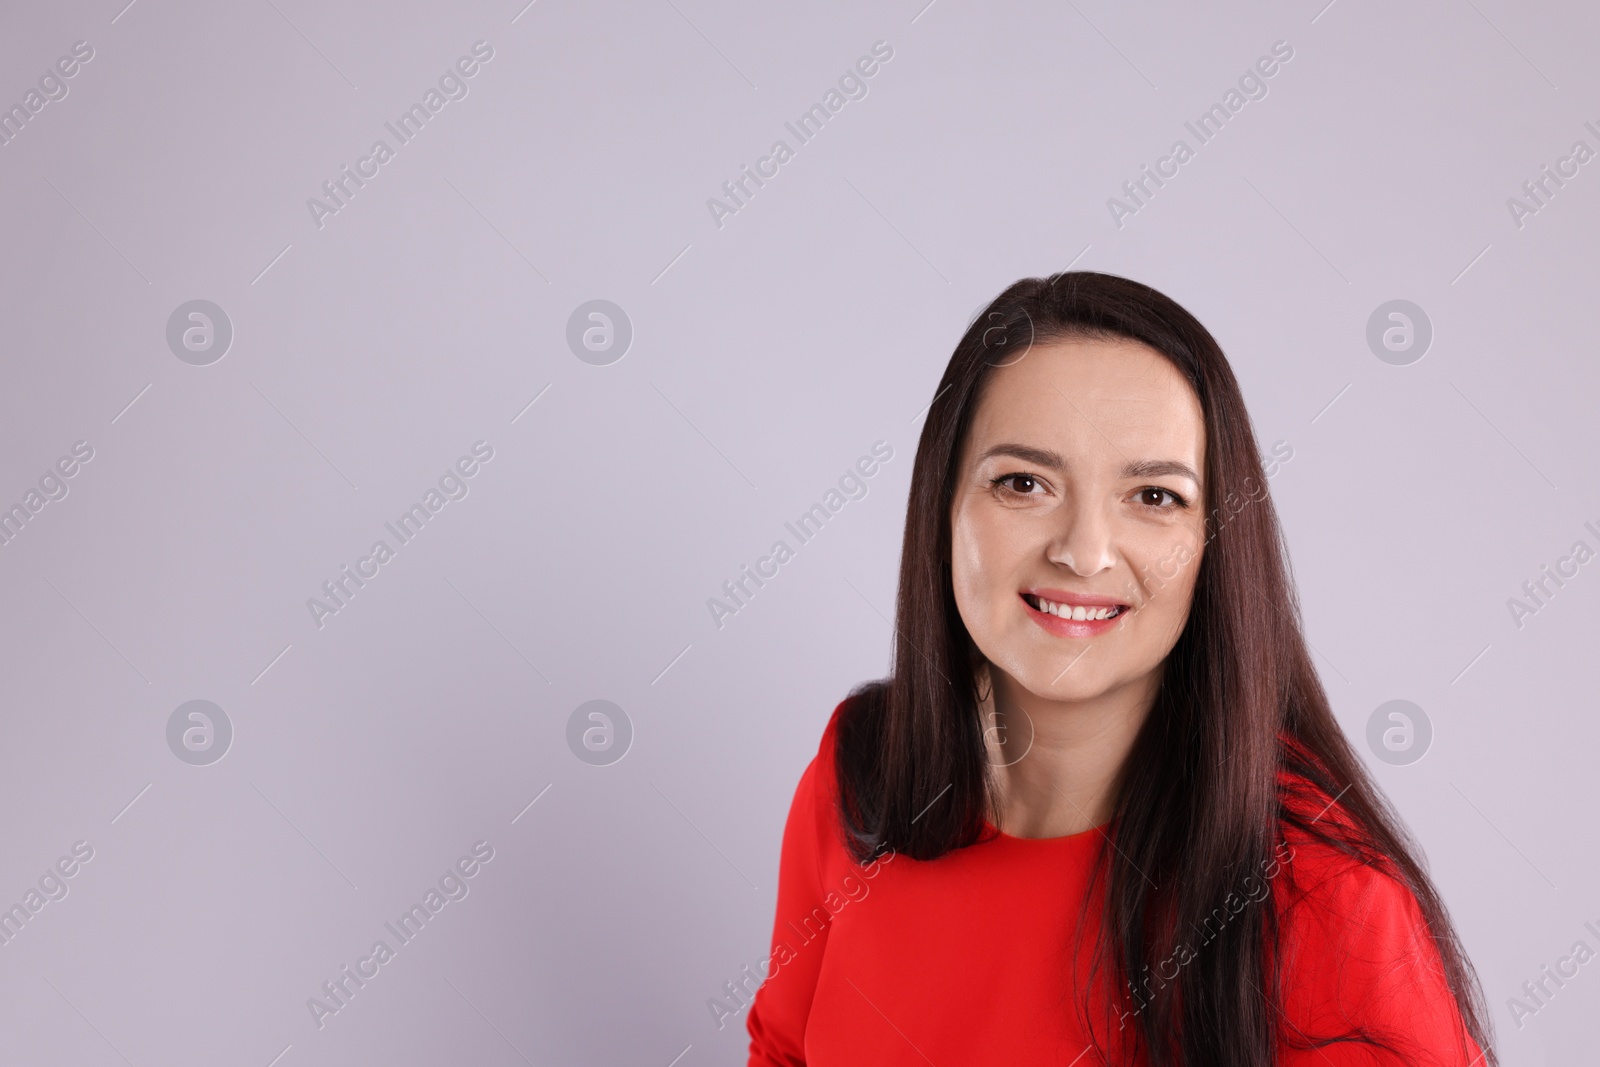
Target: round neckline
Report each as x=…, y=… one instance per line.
x=1081, y=835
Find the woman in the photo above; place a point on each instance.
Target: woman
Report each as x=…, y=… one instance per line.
x=1101, y=811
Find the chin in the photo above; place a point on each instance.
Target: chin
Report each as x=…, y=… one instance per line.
x=1080, y=689
x=1045, y=680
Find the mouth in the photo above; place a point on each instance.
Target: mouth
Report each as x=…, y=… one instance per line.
x=1074, y=611
x=1064, y=614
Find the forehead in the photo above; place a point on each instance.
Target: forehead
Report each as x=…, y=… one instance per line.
x=1092, y=394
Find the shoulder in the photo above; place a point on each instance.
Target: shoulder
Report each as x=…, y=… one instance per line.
x=824, y=764
x=1333, y=905
x=1356, y=951
x=831, y=731
x=1331, y=885
x=850, y=735
x=1311, y=813
x=815, y=794
x=1358, y=957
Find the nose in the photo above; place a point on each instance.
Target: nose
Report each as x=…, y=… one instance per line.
x=1082, y=541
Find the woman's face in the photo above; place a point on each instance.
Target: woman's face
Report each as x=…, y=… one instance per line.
x=1078, y=496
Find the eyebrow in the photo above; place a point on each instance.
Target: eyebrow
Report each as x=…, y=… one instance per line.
x=1044, y=457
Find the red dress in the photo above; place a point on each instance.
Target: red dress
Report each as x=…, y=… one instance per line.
x=963, y=959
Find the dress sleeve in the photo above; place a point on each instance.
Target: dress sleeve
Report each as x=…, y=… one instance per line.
x=776, y=1021
x=1359, y=955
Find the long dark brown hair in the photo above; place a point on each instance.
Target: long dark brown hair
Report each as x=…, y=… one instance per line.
x=1202, y=795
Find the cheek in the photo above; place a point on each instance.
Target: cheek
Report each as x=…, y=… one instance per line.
x=1167, y=564
x=982, y=549
x=967, y=561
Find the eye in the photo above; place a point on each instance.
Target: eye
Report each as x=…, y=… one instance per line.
x=1151, y=496
x=1026, y=481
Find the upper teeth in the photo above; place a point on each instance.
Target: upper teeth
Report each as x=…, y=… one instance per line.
x=1078, y=612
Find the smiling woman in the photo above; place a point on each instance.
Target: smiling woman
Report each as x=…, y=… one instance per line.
x=1101, y=721
x=1050, y=535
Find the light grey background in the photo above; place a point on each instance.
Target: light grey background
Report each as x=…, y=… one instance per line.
x=767, y=355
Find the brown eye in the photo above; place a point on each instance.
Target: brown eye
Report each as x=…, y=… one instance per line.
x=1152, y=496
x=1022, y=484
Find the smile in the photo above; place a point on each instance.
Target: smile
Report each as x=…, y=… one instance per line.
x=1075, y=612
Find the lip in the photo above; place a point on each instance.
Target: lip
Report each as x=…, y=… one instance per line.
x=1088, y=600
x=1055, y=624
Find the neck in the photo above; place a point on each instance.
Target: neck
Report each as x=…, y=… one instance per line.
x=1056, y=764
